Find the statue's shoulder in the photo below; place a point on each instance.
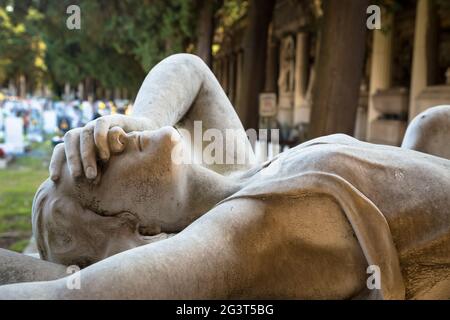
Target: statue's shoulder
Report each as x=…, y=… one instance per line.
x=334, y=139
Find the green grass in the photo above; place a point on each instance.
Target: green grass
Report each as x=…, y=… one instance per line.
x=18, y=183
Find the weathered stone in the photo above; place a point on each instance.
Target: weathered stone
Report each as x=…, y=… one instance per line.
x=305, y=224
x=16, y=267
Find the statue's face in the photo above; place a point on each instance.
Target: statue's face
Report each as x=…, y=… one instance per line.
x=142, y=180
x=131, y=200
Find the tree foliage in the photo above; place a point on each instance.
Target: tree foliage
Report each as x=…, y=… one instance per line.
x=22, y=51
x=119, y=40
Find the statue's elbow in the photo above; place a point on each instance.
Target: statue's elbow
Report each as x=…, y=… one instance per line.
x=186, y=58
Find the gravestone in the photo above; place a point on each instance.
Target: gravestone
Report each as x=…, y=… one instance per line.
x=50, y=123
x=14, y=142
x=1, y=120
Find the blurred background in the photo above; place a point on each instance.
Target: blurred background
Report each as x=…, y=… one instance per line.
x=306, y=67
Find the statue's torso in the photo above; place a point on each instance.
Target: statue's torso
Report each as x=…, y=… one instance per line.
x=410, y=189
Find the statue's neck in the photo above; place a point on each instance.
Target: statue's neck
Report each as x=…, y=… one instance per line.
x=205, y=188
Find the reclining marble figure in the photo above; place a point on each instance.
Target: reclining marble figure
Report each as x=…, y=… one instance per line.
x=304, y=225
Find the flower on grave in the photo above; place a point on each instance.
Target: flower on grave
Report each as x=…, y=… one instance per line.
x=2, y=153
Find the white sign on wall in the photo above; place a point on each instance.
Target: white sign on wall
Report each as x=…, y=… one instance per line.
x=267, y=104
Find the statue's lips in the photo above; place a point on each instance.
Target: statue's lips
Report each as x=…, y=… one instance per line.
x=158, y=237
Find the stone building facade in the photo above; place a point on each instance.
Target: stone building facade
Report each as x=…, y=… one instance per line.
x=407, y=68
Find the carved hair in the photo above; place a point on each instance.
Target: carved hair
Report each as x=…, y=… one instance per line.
x=55, y=219
x=46, y=224
x=39, y=202
x=54, y=239
x=47, y=231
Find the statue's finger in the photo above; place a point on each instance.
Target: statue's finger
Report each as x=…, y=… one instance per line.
x=72, y=148
x=116, y=139
x=87, y=152
x=101, y=138
x=57, y=161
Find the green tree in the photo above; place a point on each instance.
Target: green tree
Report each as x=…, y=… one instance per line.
x=119, y=40
x=22, y=51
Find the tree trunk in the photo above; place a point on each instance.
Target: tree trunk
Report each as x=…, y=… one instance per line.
x=205, y=30
x=89, y=89
x=339, y=67
x=255, y=47
x=22, y=86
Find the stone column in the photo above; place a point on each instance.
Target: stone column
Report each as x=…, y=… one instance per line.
x=424, y=54
x=381, y=64
x=301, y=111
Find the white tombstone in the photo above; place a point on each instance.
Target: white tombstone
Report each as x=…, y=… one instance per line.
x=50, y=122
x=14, y=135
x=1, y=120
x=88, y=112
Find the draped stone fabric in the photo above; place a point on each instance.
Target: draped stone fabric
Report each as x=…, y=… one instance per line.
x=397, y=202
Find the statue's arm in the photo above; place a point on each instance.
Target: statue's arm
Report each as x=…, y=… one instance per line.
x=16, y=267
x=183, y=88
x=182, y=91
x=429, y=132
x=215, y=257
x=179, y=91
x=239, y=249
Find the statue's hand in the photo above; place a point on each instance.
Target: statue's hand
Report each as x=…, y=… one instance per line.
x=82, y=145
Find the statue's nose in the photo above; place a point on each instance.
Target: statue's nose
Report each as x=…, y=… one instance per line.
x=117, y=139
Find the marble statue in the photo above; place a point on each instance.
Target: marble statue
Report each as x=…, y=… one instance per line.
x=315, y=222
x=429, y=132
